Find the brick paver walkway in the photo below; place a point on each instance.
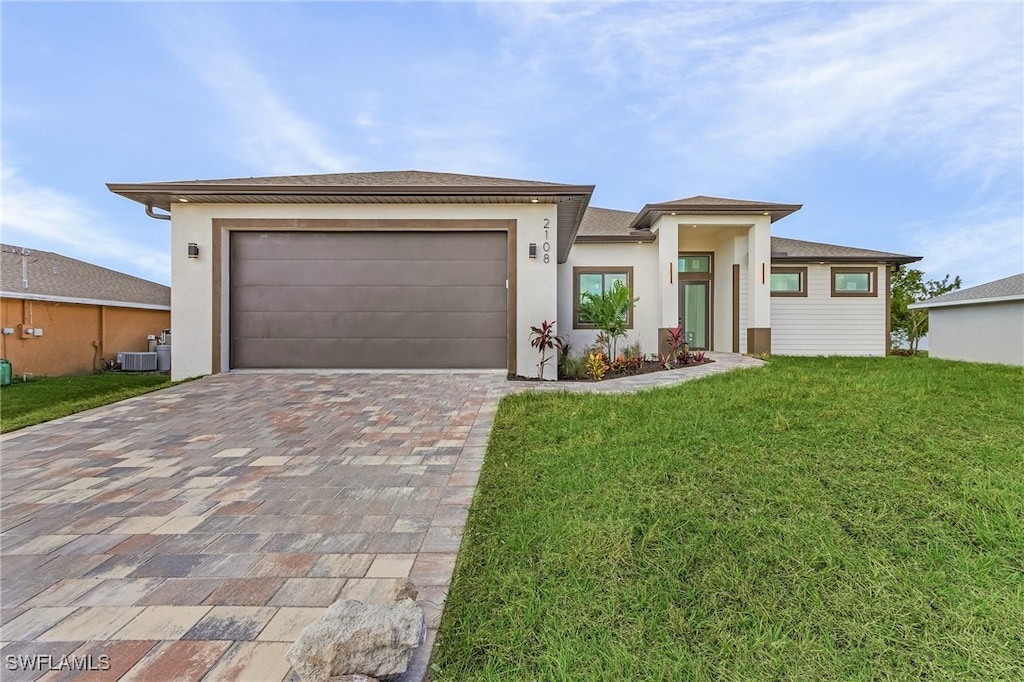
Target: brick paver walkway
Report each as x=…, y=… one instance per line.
x=192, y=533
x=195, y=531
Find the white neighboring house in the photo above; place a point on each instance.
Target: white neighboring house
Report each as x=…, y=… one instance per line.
x=979, y=324
x=422, y=270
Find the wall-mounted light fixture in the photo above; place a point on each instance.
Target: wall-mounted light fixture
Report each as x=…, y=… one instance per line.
x=193, y=250
x=533, y=250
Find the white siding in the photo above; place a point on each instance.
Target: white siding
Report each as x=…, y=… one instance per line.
x=987, y=332
x=822, y=325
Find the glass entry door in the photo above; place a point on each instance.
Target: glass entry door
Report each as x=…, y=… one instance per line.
x=695, y=312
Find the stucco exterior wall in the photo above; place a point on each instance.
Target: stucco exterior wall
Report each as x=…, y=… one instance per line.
x=75, y=336
x=985, y=332
x=730, y=245
x=192, y=305
x=643, y=259
x=734, y=240
x=821, y=324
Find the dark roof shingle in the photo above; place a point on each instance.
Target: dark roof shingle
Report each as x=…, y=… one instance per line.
x=796, y=250
x=603, y=224
x=1010, y=288
x=406, y=178
x=51, y=275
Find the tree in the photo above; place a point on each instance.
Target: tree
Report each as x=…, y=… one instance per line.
x=908, y=287
x=609, y=312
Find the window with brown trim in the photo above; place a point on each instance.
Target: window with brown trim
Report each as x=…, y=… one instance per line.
x=854, y=282
x=596, y=281
x=789, y=282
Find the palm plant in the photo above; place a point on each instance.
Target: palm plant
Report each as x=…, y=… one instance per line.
x=609, y=312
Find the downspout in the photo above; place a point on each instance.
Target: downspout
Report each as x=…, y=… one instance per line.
x=103, y=333
x=152, y=214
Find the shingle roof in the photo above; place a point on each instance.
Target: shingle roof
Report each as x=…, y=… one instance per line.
x=51, y=276
x=705, y=205
x=704, y=200
x=406, y=178
x=796, y=250
x=1006, y=289
x=603, y=224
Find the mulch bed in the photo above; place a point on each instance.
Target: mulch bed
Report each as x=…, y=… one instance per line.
x=648, y=367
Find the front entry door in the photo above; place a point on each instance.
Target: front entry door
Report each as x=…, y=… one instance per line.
x=695, y=312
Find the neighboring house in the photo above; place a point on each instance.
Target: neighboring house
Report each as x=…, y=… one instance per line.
x=980, y=324
x=62, y=316
x=411, y=269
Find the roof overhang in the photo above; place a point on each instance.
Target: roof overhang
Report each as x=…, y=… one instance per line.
x=892, y=259
x=82, y=301
x=572, y=200
x=970, y=301
x=651, y=213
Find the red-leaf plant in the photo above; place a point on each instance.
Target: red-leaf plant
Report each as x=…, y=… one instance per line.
x=678, y=350
x=543, y=338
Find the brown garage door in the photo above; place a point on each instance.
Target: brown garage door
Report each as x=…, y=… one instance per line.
x=384, y=300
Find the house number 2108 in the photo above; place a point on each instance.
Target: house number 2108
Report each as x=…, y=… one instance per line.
x=546, y=244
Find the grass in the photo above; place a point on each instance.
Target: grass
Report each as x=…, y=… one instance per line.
x=40, y=400
x=815, y=519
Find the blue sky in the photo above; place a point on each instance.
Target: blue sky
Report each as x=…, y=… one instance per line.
x=899, y=127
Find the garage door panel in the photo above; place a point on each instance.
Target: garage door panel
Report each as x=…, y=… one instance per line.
x=368, y=325
x=343, y=299
x=365, y=354
x=299, y=273
x=362, y=246
x=267, y=299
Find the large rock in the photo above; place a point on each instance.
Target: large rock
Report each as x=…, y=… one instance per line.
x=353, y=638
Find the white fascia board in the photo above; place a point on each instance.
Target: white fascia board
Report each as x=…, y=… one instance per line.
x=969, y=301
x=82, y=301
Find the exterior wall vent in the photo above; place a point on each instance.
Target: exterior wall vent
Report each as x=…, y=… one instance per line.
x=137, y=362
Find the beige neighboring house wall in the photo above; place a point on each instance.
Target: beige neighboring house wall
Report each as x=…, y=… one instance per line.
x=67, y=315
x=979, y=324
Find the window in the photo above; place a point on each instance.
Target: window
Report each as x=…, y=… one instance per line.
x=596, y=281
x=789, y=282
x=695, y=264
x=854, y=282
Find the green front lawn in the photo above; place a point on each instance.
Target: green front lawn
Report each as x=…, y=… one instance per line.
x=815, y=519
x=26, y=403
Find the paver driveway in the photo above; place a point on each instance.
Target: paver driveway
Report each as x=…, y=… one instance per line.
x=195, y=531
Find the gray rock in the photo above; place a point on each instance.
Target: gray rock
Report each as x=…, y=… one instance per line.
x=352, y=638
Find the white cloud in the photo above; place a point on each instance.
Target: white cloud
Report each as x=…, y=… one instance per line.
x=263, y=129
x=979, y=246
x=760, y=82
x=40, y=217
